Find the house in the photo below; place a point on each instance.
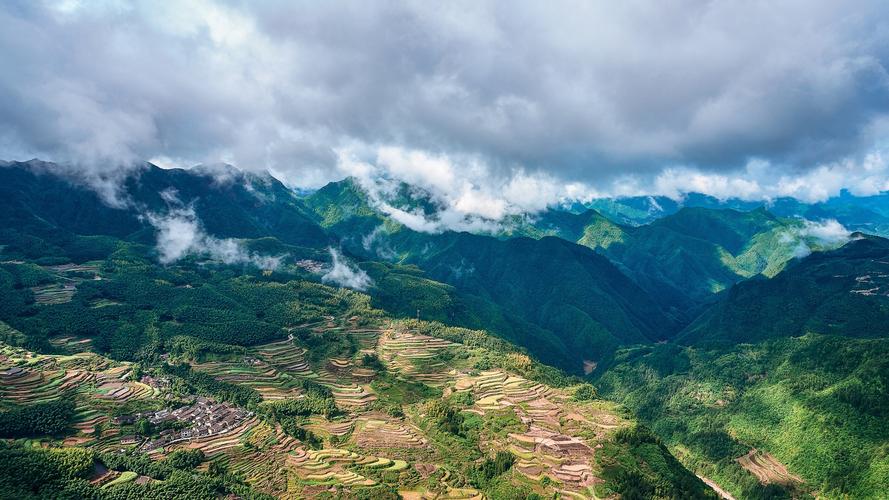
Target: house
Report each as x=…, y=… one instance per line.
x=124, y=420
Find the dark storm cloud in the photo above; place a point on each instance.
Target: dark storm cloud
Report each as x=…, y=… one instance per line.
x=573, y=91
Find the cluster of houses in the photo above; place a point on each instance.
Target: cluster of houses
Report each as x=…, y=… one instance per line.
x=204, y=418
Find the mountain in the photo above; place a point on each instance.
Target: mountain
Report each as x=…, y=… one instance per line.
x=641, y=210
x=840, y=292
x=784, y=377
x=777, y=390
x=37, y=199
x=581, y=312
x=587, y=304
x=124, y=378
x=698, y=252
x=683, y=259
x=564, y=302
x=868, y=214
x=631, y=210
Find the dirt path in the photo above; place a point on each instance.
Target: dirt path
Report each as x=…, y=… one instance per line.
x=719, y=491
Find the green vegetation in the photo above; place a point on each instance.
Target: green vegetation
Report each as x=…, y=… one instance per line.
x=40, y=419
x=682, y=259
x=398, y=391
x=45, y=473
x=585, y=392
x=561, y=301
x=492, y=468
x=839, y=292
x=446, y=417
x=638, y=465
x=817, y=403
x=204, y=384
x=315, y=400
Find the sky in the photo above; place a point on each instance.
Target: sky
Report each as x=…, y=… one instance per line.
x=493, y=107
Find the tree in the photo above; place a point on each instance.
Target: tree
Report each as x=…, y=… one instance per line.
x=585, y=392
x=143, y=427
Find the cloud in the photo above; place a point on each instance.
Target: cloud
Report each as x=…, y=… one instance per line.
x=467, y=194
x=801, y=250
x=376, y=242
x=763, y=180
x=179, y=234
x=345, y=274
x=828, y=232
x=814, y=235
x=528, y=101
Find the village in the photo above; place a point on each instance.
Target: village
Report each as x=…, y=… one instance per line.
x=205, y=417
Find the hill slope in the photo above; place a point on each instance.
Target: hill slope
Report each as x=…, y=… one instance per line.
x=840, y=292
x=788, y=371
x=564, y=302
x=815, y=404
x=35, y=199
x=685, y=258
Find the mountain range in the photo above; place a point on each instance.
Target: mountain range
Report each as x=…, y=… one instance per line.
x=711, y=320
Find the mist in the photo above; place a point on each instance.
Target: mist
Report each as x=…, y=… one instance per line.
x=344, y=273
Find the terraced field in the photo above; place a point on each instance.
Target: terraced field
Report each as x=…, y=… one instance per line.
x=68, y=275
x=121, y=392
x=363, y=446
x=217, y=444
x=269, y=379
x=767, y=468
x=286, y=357
x=330, y=466
x=443, y=490
x=380, y=431
x=71, y=271
x=30, y=385
x=367, y=338
x=348, y=395
x=71, y=345
x=551, y=444
x=270, y=382
x=55, y=293
x=262, y=462
x=416, y=356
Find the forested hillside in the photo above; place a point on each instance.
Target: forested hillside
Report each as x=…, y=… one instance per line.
x=815, y=404
x=564, y=302
x=684, y=259
x=839, y=292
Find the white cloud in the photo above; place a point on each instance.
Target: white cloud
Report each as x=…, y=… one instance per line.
x=801, y=250
x=537, y=98
x=812, y=235
x=470, y=195
x=474, y=196
x=376, y=242
x=179, y=234
x=828, y=231
x=763, y=180
x=344, y=273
